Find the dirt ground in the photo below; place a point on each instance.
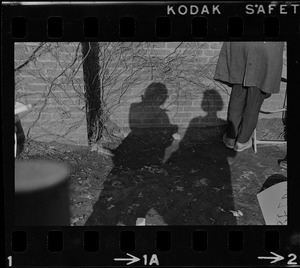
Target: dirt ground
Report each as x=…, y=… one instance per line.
x=167, y=179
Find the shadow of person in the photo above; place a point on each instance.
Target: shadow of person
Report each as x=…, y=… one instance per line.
x=146, y=146
x=203, y=191
x=137, y=162
x=211, y=104
x=205, y=176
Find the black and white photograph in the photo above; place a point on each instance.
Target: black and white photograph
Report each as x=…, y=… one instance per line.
x=150, y=133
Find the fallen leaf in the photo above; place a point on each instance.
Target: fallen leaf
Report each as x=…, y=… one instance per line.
x=221, y=209
x=74, y=220
x=237, y=213
x=201, y=182
x=179, y=188
x=111, y=206
x=213, y=220
x=117, y=184
x=87, y=196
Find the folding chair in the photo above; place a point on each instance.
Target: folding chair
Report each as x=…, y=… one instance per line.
x=283, y=111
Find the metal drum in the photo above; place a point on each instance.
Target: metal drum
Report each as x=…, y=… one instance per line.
x=41, y=193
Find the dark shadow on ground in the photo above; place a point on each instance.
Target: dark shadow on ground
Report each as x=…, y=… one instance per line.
x=205, y=171
x=205, y=174
x=192, y=188
x=135, y=160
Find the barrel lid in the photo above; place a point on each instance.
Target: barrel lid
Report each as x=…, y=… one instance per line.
x=34, y=175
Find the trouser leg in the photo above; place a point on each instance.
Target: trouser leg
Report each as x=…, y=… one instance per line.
x=236, y=107
x=254, y=101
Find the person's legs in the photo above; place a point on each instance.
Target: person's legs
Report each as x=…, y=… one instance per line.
x=236, y=108
x=255, y=98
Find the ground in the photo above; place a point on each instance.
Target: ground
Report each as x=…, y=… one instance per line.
x=190, y=180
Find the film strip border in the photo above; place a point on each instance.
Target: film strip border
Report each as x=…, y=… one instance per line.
x=193, y=246
x=153, y=21
x=127, y=26
x=166, y=246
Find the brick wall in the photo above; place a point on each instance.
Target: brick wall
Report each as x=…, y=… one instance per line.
x=57, y=95
x=182, y=72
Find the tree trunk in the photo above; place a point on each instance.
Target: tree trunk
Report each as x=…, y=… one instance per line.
x=92, y=86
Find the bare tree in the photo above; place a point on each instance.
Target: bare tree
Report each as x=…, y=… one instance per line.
x=93, y=90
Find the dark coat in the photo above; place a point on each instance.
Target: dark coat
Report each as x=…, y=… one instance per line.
x=253, y=64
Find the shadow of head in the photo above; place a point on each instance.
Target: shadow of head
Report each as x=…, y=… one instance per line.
x=156, y=93
x=212, y=101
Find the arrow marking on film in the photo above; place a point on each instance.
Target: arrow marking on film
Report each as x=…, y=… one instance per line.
x=276, y=257
x=132, y=260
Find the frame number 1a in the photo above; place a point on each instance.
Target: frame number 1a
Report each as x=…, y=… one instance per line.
x=153, y=259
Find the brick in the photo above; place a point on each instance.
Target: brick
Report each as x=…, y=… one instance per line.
x=45, y=116
x=191, y=53
x=215, y=45
x=30, y=44
x=32, y=73
x=45, y=57
x=196, y=103
x=67, y=94
x=183, y=115
x=208, y=52
x=192, y=109
x=160, y=44
x=175, y=109
x=161, y=52
x=172, y=44
x=185, y=120
x=202, y=45
x=184, y=103
x=216, y=54
x=202, y=60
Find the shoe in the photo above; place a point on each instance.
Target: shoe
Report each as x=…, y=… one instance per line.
x=229, y=143
x=239, y=147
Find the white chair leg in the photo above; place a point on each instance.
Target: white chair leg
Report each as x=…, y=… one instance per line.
x=254, y=141
x=16, y=141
